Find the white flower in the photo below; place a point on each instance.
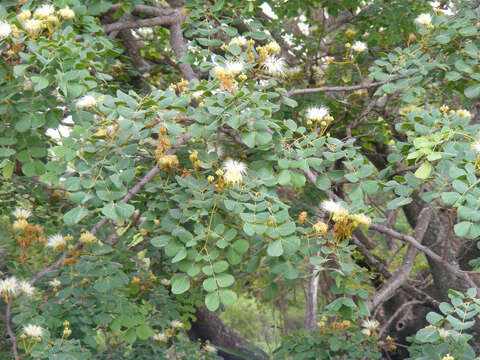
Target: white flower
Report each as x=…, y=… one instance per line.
x=359, y=46
x=160, y=337
x=424, y=19
x=198, y=94
x=234, y=171
x=33, y=331
x=88, y=101
x=26, y=289
x=332, y=207
x=239, y=40
x=20, y=213
x=55, y=283
x=176, y=324
x=317, y=113
x=234, y=67
x=370, y=324
x=210, y=349
x=464, y=113
x=33, y=26
x=165, y=282
x=476, y=146
x=443, y=333
x=9, y=287
x=366, y=332
x=66, y=13
x=56, y=242
x=44, y=11
x=362, y=219
x=274, y=66
x=273, y=47
x=5, y=30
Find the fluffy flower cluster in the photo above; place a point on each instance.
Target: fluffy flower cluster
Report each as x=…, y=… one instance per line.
x=5, y=30
x=33, y=331
x=234, y=171
x=476, y=146
x=361, y=219
x=86, y=102
x=320, y=228
x=424, y=19
x=66, y=13
x=210, y=349
x=11, y=287
x=337, y=210
x=55, y=283
x=229, y=70
x=161, y=337
x=317, y=113
x=359, y=46
x=274, y=66
x=21, y=213
x=369, y=327
x=56, y=242
x=44, y=11
x=87, y=237
x=239, y=40
x=176, y=324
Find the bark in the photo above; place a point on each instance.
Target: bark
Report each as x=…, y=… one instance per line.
x=209, y=326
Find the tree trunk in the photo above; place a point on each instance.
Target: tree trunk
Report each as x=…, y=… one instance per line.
x=210, y=327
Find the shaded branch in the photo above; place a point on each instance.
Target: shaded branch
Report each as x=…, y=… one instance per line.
x=431, y=254
x=11, y=334
x=400, y=277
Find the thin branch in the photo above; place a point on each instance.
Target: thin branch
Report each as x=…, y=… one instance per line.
x=400, y=276
x=96, y=228
x=341, y=88
x=178, y=44
x=395, y=314
x=11, y=334
x=431, y=254
x=134, y=24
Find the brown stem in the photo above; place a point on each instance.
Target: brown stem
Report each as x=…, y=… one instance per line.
x=11, y=334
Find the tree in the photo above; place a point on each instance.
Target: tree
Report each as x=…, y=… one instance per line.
x=161, y=158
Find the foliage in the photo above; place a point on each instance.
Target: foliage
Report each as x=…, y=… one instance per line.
x=131, y=200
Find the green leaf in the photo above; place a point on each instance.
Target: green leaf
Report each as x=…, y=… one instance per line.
x=472, y=91
x=224, y=280
x=450, y=197
x=109, y=211
x=144, y=332
x=462, y=229
x=228, y=297
x=427, y=335
x=397, y=202
x=212, y=301
x=424, y=171
x=275, y=248
x=209, y=284
x=124, y=210
x=74, y=216
x=180, y=283
x=160, y=241
x=434, y=318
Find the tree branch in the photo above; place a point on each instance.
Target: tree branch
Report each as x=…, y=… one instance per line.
x=341, y=88
x=11, y=334
x=156, y=21
x=432, y=255
x=96, y=228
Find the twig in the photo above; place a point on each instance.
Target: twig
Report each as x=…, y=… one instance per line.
x=133, y=191
x=411, y=240
x=11, y=334
x=395, y=314
x=400, y=276
x=341, y=88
